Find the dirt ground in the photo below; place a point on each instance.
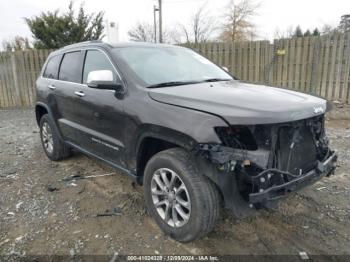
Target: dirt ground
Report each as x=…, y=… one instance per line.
x=41, y=214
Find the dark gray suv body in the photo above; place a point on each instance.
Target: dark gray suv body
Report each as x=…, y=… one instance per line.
x=192, y=134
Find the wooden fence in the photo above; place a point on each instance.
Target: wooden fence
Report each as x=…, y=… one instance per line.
x=316, y=65
x=18, y=73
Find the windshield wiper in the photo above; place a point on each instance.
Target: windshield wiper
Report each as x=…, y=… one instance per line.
x=179, y=83
x=172, y=83
x=216, y=79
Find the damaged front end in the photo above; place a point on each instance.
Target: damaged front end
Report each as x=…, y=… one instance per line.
x=269, y=161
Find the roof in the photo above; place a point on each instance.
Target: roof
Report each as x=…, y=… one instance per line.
x=116, y=45
x=98, y=43
x=139, y=44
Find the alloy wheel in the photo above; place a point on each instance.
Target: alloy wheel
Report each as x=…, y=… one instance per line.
x=170, y=197
x=46, y=134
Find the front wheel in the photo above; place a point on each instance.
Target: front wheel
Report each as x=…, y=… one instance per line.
x=184, y=203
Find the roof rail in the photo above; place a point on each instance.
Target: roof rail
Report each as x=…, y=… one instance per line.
x=81, y=43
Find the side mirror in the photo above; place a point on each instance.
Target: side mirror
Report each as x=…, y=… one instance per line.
x=225, y=68
x=103, y=79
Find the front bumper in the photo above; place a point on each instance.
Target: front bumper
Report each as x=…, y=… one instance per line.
x=278, y=191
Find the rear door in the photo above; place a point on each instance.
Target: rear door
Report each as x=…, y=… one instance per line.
x=66, y=86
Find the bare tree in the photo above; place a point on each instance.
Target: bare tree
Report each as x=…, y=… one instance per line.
x=186, y=33
x=142, y=32
x=328, y=29
x=343, y=27
x=201, y=26
x=237, y=25
x=16, y=44
x=175, y=35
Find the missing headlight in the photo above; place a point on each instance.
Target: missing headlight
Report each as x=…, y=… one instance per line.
x=239, y=137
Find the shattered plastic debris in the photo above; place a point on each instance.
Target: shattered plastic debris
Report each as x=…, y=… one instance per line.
x=115, y=212
x=72, y=178
x=5, y=241
x=114, y=258
x=52, y=188
x=303, y=255
x=19, y=205
x=19, y=239
x=78, y=177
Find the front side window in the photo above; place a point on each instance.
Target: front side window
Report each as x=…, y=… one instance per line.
x=169, y=64
x=51, y=69
x=70, y=67
x=96, y=60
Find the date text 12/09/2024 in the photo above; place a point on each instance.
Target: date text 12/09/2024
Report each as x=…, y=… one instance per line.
x=172, y=258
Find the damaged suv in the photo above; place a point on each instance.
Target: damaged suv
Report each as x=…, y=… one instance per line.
x=196, y=138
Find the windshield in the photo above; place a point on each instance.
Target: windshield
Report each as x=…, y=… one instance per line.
x=164, y=66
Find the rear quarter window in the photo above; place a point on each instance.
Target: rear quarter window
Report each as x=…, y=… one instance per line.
x=51, y=70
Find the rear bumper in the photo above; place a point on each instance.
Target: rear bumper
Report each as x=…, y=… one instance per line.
x=279, y=191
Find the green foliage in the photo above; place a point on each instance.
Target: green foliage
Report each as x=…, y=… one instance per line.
x=307, y=33
x=316, y=32
x=54, y=30
x=298, y=32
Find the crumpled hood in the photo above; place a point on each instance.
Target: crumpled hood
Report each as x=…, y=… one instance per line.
x=241, y=103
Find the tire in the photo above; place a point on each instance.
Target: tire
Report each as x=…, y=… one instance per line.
x=49, y=135
x=200, y=200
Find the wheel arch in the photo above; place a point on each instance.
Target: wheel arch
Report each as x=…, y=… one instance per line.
x=152, y=139
x=42, y=109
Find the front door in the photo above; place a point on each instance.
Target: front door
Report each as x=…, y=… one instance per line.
x=100, y=113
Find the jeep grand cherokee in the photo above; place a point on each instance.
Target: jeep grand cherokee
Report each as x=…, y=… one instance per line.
x=195, y=137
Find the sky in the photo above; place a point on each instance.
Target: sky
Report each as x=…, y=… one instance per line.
x=272, y=14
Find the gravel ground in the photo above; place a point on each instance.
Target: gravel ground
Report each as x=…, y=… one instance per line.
x=40, y=214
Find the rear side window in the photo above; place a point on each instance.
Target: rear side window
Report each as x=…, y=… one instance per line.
x=70, y=67
x=96, y=60
x=51, y=69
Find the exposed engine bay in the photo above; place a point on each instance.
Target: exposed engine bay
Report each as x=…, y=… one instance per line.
x=273, y=159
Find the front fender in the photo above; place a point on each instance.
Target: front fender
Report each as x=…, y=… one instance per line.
x=158, y=132
x=163, y=133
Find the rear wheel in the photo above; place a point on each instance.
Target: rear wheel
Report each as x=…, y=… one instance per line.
x=185, y=204
x=54, y=148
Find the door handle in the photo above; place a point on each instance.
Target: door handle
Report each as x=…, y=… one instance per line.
x=52, y=87
x=79, y=93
